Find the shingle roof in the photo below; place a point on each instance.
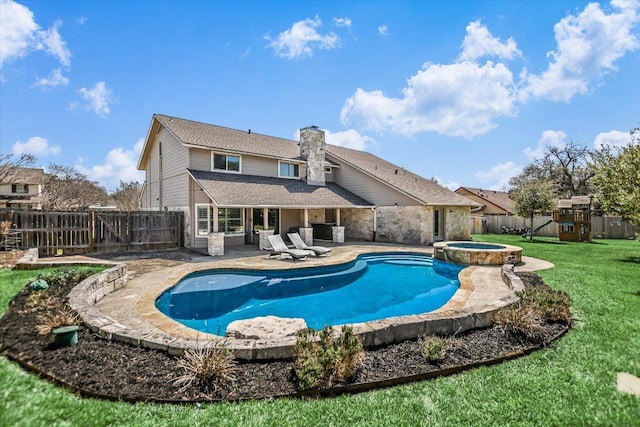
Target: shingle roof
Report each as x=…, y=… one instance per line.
x=421, y=189
x=227, y=189
x=222, y=138
x=497, y=198
x=24, y=176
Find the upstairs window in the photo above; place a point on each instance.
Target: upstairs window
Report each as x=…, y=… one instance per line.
x=20, y=188
x=289, y=170
x=226, y=162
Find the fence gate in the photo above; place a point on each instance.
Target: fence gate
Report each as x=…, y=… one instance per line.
x=73, y=233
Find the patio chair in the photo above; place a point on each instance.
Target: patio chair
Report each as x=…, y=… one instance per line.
x=278, y=248
x=300, y=244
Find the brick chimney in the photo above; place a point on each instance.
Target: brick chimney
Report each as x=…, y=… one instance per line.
x=312, y=150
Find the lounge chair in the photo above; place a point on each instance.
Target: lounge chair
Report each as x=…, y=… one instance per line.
x=300, y=244
x=278, y=248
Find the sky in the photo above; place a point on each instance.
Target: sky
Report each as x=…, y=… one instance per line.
x=467, y=92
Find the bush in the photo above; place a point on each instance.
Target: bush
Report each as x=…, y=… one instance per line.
x=209, y=368
x=322, y=360
x=68, y=275
x=519, y=321
x=432, y=347
x=549, y=304
x=56, y=317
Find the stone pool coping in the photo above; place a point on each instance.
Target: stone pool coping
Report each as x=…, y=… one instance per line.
x=129, y=315
x=477, y=256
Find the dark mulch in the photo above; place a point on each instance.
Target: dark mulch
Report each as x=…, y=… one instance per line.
x=99, y=367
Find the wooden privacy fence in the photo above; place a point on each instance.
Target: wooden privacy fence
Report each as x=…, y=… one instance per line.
x=603, y=227
x=72, y=233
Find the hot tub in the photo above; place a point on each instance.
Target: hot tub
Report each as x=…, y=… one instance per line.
x=477, y=253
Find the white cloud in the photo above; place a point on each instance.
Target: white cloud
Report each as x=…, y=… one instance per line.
x=497, y=178
x=460, y=99
x=614, y=138
x=349, y=138
x=21, y=35
x=383, y=30
x=97, y=99
x=301, y=39
x=54, y=79
x=342, y=22
x=479, y=42
x=451, y=185
x=588, y=46
x=120, y=165
x=549, y=138
x=37, y=146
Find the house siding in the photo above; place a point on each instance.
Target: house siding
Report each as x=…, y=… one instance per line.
x=369, y=188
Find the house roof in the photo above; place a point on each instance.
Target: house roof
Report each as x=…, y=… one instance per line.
x=20, y=175
x=574, y=201
x=198, y=134
x=496, y=198
x=423, y=190
x=237, y=190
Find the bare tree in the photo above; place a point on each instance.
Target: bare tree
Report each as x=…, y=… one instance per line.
x=10, y=162
x=565, y=167
x=67, y=189
x=127, y=196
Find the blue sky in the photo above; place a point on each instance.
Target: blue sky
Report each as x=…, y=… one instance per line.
x=468, y=92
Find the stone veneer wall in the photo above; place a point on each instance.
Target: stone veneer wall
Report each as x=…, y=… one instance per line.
x=358, y=223
x=402, y=224
x=458, y=223
x=312, y=146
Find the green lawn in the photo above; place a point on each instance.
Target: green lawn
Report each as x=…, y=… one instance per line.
x=573, y=383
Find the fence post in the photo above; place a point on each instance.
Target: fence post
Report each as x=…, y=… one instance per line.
x=92, y=229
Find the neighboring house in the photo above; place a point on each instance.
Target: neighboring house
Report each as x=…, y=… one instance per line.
x=247, y=185
x=21, y=188
x=492, y=202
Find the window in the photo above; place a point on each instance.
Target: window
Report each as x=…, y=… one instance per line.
x=202, y=220
x=289, y=170
x=230, y=220
x=226, y=162
x=566, y=227
x=327, y=169
x=20, y=188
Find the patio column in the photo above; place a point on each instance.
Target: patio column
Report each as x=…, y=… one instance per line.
x=265, y=218
x=338, y=217
x=305, y=223
x=214, y=212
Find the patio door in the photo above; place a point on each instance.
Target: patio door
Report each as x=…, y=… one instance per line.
x=273, y=216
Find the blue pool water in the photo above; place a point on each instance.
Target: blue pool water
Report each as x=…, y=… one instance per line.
x=372, y=287
x=470, y=245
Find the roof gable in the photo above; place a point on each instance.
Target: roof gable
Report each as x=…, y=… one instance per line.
x=497, y=198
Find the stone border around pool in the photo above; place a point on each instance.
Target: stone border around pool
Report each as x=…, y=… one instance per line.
x=450, y=319
x=469, y=255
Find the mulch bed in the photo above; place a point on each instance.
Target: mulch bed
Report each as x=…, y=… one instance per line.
x=101, y=368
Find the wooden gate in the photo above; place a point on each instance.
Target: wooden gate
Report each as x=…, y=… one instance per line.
x=73, y=233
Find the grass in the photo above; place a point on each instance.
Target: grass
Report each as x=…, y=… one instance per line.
x=571, y=383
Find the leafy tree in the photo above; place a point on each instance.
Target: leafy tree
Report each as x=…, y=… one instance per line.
x=67, y=189
x=617, y=179
x=127, y=196
x=566, y=167
x=532, y=197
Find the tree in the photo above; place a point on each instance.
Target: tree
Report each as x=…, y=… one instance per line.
x=9, y=163
x=67, y=189
x=617, y=179
x=532, y=197
x=127, y=196
x=566, y=167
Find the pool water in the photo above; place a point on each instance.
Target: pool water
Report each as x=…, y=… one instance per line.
x=372, y=287
x=473, y=245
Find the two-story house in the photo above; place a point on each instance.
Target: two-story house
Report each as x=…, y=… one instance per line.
x=21, y=188
x=245, y=184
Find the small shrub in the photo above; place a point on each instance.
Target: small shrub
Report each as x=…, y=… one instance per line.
x=548, y=303
x=519, y=321
x=322, y=360
x=55, y=318
x=432, y=347
x=209, y=368
x=67, y=275
x=41, y=300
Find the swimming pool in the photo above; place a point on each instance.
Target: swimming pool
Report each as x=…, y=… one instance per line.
x=372, y=287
